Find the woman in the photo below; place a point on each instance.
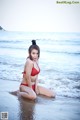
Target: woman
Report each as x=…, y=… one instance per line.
x=29, y=87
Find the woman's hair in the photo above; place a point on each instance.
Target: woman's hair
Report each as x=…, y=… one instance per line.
x=34, y=46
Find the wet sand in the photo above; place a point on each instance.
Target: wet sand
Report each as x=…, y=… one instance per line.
x=43, y=108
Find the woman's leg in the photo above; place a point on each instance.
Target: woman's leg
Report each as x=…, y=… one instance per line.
x=27, y=92
x=44, y=91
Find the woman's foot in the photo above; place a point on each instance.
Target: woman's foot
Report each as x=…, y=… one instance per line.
x=15, y=92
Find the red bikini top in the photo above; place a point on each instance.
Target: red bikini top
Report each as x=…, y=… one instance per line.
x=33, y=72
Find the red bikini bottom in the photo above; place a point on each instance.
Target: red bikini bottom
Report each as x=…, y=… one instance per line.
x=33, y=86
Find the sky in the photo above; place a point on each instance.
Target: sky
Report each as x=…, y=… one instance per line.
x=39, y=16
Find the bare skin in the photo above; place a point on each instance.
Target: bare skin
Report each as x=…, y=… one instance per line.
x=27, y=91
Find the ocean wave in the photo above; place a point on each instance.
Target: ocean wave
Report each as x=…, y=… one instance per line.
x=5, y=79
x=12, y=47
x=64, y=52
x=70, y=96
x=77, y=87
x=11, y=64
x=63, y=86
x=11, y=41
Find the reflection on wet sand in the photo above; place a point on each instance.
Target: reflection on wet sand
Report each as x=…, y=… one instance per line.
x=33, y=109
x=27, y=109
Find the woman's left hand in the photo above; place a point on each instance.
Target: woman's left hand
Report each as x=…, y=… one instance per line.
x=37, y=91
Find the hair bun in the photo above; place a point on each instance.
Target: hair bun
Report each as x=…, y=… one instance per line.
x=33, y=42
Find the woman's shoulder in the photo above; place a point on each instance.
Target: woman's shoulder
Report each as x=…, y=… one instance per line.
x=28, y=61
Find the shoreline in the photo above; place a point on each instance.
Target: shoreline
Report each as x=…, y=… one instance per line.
x=43, y=108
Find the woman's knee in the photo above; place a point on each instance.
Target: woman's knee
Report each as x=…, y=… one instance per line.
x=33, y=97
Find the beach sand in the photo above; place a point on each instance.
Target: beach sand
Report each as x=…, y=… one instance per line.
x=43, y=108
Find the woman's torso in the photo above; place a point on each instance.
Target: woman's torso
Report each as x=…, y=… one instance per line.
x=34, y=73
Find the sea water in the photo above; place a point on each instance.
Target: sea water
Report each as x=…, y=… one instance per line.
x=59, y=59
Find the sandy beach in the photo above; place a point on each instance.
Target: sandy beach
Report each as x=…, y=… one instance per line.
x=60, y=108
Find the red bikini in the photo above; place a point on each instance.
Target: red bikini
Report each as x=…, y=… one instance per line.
x=33, y=73
x=33, y=86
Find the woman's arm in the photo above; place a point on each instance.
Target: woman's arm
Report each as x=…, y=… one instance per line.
x=36, y=85
x=29, y=66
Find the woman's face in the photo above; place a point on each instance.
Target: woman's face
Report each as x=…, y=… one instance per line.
x=34, y=54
